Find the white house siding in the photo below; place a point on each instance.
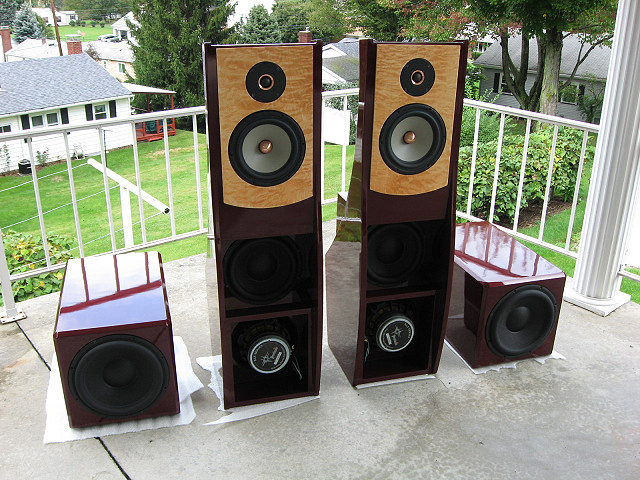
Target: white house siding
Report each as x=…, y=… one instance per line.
x=86, y=141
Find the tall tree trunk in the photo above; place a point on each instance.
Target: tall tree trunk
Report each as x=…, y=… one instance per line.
x=551, y=73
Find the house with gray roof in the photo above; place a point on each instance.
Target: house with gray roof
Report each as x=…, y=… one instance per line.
x=589, y=80
x=341, y=61
x=50, y=92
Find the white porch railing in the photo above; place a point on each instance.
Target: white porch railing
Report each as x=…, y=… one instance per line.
x=135, y=183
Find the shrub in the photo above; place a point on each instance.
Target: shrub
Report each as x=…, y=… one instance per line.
x=565, y=167
x=25, y=252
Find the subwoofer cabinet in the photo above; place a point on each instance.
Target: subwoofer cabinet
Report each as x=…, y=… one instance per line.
x=403, y=190
x=505, y=299
x=264, y=105
x=113, y=340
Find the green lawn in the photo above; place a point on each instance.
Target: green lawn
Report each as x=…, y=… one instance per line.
x=88, y=33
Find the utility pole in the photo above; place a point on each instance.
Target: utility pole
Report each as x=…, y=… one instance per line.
x=55, y=26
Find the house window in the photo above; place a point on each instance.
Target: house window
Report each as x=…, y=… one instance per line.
x=481, y=47
x=500, y=84
x=121, y=68
x=5, y=128
x=37, y=121
x=52, y=118
x=571, y=93
x=100, y=111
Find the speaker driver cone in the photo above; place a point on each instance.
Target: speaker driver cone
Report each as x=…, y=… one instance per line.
x=267, y=148
x=394, y=253
x=118, y=376
x=412, y=139
x=262, y=270
x=521, y=321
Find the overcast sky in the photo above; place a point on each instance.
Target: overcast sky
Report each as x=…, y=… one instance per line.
x=243, y=7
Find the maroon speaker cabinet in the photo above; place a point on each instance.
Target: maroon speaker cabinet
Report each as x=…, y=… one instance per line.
x=264, y=105
x=113, y=340
x=505, y=299
x=403, y=189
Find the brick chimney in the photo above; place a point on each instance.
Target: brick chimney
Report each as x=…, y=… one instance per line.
x=74, y=45
x=305, y=36
x=5, y=32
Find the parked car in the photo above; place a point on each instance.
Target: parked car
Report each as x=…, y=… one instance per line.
x=108, y=37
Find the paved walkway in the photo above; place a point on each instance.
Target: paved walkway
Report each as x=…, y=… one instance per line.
x=577, y=418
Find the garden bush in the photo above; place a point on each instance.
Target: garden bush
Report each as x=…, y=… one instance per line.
x=565, y=167
x=26, y=252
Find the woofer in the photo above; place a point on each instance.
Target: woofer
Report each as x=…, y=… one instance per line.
x=391, y=327
x=412, y=139
x=267, y=148
x=395, y=252
x=118, y=376
x=521, y=321
x=263, y=270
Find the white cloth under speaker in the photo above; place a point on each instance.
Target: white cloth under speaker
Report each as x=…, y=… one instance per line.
x=480, y=370
x=214, y=366
x=57, y=427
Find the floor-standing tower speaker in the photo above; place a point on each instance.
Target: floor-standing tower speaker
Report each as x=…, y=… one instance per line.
x=264, y=105
x=505, y=299
x=113, y=340
x=403, y=188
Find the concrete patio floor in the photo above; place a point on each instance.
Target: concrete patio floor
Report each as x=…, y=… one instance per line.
x=577, y=418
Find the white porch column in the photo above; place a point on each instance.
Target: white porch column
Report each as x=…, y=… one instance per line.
x=616, y=174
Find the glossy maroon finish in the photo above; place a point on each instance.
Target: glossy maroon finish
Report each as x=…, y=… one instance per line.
x=301, y=222
x=107, y=295
x=488, y=265
x=432, y=212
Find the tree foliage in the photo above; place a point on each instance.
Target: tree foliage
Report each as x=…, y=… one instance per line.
x=549, y=22
x=26, y=25
x=260, y=27
x=379, y=19
x=8, y=10
x=325, y=18
x=168, y=48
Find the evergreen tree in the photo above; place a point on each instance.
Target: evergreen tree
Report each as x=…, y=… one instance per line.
x=169, y=38
x=260, y=27
x=8, y=9
x=26, y=25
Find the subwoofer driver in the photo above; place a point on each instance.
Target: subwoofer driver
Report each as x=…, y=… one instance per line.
x=118, y=376
x=521, y=321
x=262, y=270
x=267, y=148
